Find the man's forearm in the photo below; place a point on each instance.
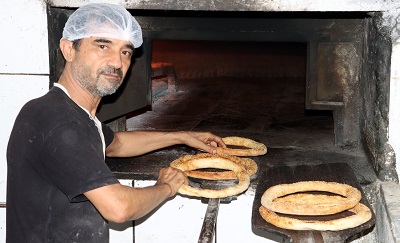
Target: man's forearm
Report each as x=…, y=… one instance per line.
x=120, y=203
x=127, y=144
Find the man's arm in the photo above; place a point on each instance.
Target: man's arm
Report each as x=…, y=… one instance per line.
x=127, y=144
x=119, y=203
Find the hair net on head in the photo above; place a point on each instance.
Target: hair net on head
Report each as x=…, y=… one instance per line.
x=103, y=20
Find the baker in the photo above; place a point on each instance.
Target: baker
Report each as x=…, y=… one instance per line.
x=59, y=188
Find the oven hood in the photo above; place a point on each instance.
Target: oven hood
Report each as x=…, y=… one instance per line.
x=247, y=5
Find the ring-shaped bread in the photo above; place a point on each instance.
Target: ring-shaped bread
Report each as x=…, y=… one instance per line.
x=219, y=163
x=253, y=148
x=249, y=165
x=361, y=215
x=352, y=197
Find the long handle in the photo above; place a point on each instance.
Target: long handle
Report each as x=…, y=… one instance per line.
x=208, y=230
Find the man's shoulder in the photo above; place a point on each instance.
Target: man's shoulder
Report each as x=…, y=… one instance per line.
x=50, y=111
x=54, y=103
x=53, y=98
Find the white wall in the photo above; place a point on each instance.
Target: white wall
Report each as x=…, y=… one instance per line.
x=24, y=69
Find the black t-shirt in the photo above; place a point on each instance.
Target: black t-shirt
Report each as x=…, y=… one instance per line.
x=54, y=155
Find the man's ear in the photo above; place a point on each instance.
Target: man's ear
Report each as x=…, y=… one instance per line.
x=67, y=49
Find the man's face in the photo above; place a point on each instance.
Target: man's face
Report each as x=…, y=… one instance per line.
x=100, y=64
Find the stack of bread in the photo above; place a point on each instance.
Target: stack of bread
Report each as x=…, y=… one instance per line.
x=281, y=204
x=226, y=159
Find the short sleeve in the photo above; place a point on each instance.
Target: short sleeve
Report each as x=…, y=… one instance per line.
x=108, y=134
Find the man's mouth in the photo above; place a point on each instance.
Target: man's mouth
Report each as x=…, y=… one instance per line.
x=112, y=73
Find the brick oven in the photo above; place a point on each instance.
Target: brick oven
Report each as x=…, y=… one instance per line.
x=340, y=64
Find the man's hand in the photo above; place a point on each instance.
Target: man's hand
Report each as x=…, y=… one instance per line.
x=173, y=178
x=205, y=141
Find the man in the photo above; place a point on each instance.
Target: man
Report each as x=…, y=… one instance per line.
x=59, y=188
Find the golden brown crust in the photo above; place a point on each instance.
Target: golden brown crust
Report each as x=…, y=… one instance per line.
x=213, y=162
x=249, y=165
x=253, y=148
x=361, y=215
x=351, y=195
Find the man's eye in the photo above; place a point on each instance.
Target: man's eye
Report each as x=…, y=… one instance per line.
x=102, y=46
x=127, y=53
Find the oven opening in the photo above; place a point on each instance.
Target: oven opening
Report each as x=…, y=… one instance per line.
x=231, y=88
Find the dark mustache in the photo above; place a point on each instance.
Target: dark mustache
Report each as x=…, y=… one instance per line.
x=111, y=70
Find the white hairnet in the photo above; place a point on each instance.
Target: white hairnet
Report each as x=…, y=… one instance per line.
x=103, y=20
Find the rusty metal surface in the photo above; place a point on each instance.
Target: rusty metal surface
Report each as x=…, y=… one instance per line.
x=333, y=172
x=208, y=229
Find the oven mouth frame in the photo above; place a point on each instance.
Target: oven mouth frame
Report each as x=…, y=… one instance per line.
x=327, y=36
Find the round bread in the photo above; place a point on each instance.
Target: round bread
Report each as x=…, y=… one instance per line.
x=253, y=148
x=249, y=165
x=351, y=195
x=219, y=163
x=361, y=215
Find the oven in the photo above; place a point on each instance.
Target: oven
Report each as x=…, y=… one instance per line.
x=313, y=86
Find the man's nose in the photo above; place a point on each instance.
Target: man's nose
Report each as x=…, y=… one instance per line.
x=115, y=60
